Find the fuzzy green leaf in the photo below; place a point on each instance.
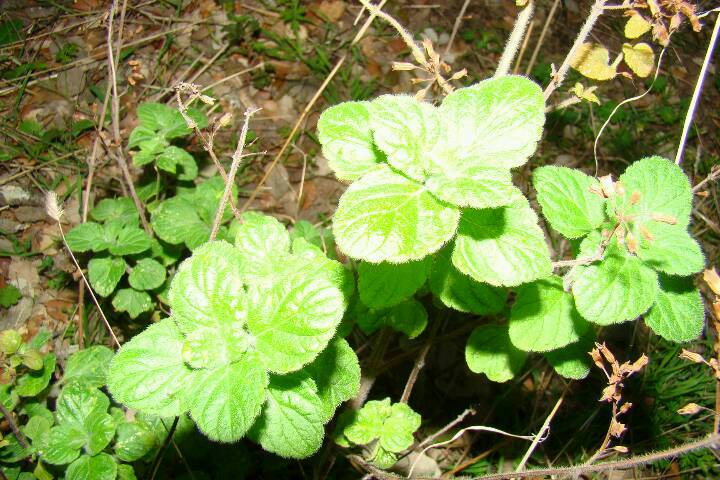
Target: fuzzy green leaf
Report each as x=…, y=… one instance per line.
x=386, y=217
x=392, y=425
x=100, y=429
x=407, y=131
x=544, y=317
x=148, y=372
x=207, y=290
x=147, y=274
x=99, y=467
x=224, y=402
x=502, y=247
x=294, y=321
x=566, y=200
x=467, y=185
x=459, y=291
x=167, y=121
x=408, y=317
x=262, y=242
x=132, y=301
x=383, y=285
x=105, y=273
x=573, y=361
x=333, y=270
x=671, y=249
x=87, y=237
x=291, y=423
x=336, y=372
x=344, y=132
x=617, y=289
x=663, y=189
x=89, y=366
x=678, y=314
x=490, y=351
x=495, y=123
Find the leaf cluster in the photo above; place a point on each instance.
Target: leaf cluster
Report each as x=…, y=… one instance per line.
x=250, y=349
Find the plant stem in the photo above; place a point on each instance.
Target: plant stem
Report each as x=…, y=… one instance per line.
x=696, y=93
x=163, y=448
x=237, y=156
x=543, y=32
x=595, y=12
x=16, y=431
x=456, y=26
x=419, y=363
x=575, y=471
x=516, y=37
x=371, y=372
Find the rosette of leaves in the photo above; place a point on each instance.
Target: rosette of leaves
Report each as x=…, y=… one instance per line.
x=639, y=254
x=250, y=348
x=386, y=429
x=159, y=125
x=83, y=430
x=187, y=218
x=121, y=247
x=423, y=176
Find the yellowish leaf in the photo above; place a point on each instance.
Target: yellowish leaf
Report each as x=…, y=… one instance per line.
x=636, y=26
x=640, y=58
x=585, y=93
x=593, y=61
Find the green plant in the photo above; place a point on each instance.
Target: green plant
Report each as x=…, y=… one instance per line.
x=432, y=198
x=385, y=429
x=117, y=239
x=250, y=348
x=159, y=124
x=85, y=436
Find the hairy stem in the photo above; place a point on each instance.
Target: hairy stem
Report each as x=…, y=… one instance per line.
x=595, y=12
x=515, y=40
x=237, y=156
x=575, y=471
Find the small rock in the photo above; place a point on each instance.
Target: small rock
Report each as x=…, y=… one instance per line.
x=422, y=465
x=26, y=214
x=13, y=195
x=331, y=9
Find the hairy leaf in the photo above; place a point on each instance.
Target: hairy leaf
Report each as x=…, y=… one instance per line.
x=336, y=373
x=669, y=249
x=224, y=402
x=490, y=351
x=495, y=123
x=122, y=208
x=346, y=138
x=291, y=423
x=294, y=321
x=544, y=317
x=34, y=382
x=148, y=372
x=459, y=291
x=392, y=425
x=134, y=441
x=262, y=242
x=567, y=202
x=386, y=217
x=408, y=317
x=573, y=361
x=407, y=131
x=502, y=247
x=678, y=314
x=619, y=288
x=383, y=285
x=473, y=186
